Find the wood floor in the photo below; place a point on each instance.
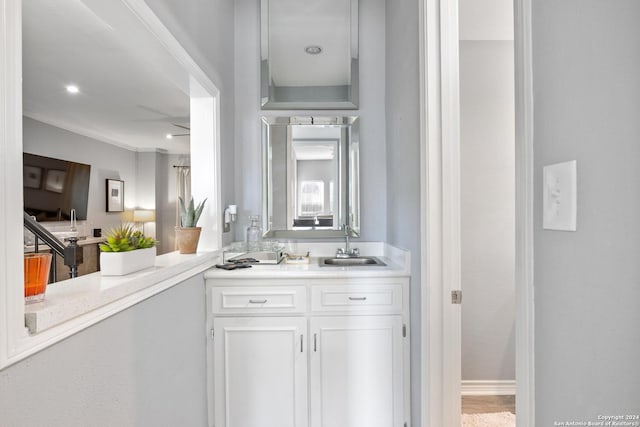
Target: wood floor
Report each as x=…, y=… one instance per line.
x=485, y=404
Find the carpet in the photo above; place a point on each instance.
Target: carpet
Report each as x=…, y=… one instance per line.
x=497, y=419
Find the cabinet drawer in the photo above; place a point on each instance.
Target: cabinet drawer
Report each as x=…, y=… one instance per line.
x=379, y=298
x=259, y=300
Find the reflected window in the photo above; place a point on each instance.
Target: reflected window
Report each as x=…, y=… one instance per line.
x=311, y=198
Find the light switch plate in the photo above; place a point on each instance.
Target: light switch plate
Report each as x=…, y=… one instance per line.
x=559, y=197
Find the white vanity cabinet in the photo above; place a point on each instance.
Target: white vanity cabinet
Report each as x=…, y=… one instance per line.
x=318, y=352
x=356, y=377
x=260, y=369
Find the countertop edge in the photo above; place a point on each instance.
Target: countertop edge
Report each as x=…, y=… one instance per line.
x=86, y=299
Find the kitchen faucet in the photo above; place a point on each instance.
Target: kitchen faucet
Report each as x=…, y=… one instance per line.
x=347, y=252
x=73, y=220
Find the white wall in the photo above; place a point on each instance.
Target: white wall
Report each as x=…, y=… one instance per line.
x=372, y=116
x=586, y=68
x=107, y=162
x=403, y=161
x=143, y=367
x=487, y=151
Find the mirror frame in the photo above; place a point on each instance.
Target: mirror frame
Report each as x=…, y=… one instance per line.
x=349, y=160
x=267, y=103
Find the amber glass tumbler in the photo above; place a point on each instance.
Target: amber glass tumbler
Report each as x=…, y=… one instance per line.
x=36, y=276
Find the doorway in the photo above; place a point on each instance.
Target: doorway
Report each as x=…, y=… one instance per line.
x=440, y=207
x=487, y=211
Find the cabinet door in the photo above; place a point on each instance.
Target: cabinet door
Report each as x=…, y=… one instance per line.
x=356, y=371
x=260, y=372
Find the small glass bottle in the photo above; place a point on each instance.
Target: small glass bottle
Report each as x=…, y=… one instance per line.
x=253, y=233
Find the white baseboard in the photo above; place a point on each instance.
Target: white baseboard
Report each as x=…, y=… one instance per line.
x=486, y=388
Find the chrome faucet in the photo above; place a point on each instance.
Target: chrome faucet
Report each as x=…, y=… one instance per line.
x=73, y=220
x=347, y=252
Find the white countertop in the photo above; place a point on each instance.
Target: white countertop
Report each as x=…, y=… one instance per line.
x=69, y=299
x=82, y=242
x=397, y=264
x=92, y=297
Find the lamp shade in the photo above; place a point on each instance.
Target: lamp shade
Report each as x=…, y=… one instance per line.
x=144, y=215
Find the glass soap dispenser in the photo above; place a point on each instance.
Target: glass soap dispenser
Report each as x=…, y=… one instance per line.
x=253, y=233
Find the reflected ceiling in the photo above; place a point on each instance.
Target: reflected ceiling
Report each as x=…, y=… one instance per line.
x=122, y=100
x=295, y=25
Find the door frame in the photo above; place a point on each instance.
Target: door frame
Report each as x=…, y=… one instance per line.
x=440, y=213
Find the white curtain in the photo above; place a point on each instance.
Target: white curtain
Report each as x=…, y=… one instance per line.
x=183, y=190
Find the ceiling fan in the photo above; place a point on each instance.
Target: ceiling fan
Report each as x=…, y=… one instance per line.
x=171, y=135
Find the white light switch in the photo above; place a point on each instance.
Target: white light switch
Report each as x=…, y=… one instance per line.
x=559, y=198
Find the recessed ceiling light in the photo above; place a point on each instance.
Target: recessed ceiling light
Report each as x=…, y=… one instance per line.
x=73, y=89
x=313, y=50
x=169, y=136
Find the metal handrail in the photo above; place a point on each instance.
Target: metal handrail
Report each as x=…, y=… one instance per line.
x=72, y=256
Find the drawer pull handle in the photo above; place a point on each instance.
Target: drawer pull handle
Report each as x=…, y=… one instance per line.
x=257, y=301
x=315, y=342
x=357, y=298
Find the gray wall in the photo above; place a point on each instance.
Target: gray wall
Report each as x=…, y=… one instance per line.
x=205, y=29
x=403, y=159
x=142, y=367
x=149, y=178
x=156, y=183
x=107, y=162
x=166, y=203
x=487, y=145
x=146, y=365
x=372, y=116
x=586, y=68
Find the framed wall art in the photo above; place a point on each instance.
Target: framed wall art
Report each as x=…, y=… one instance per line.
x=115, y=195
x=55, y=180
x=32, y=176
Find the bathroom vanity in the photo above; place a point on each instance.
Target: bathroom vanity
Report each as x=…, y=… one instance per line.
x=310, y=345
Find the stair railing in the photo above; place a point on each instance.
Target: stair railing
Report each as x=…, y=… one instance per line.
x=71, y=254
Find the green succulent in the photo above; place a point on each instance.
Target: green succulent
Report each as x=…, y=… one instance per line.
x=189, y=215
x=125, y=238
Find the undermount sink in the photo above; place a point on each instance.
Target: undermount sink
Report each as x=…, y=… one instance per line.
x=351, y=262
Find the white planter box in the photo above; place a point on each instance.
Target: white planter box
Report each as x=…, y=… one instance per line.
x=121, y=263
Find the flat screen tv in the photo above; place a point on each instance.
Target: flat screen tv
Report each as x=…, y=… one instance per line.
x=52, y=187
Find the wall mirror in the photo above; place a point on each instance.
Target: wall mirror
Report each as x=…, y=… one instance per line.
x=309, y=54
x=310, y=184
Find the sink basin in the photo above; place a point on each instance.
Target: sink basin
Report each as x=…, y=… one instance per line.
x=351, y=262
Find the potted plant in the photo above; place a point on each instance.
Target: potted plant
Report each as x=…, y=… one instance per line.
x=126, y=250
x=188, y=234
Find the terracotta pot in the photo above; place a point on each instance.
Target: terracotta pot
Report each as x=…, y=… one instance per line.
x=187, y=239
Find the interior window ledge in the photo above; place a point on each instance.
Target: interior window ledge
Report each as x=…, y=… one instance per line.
x=80, y=302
